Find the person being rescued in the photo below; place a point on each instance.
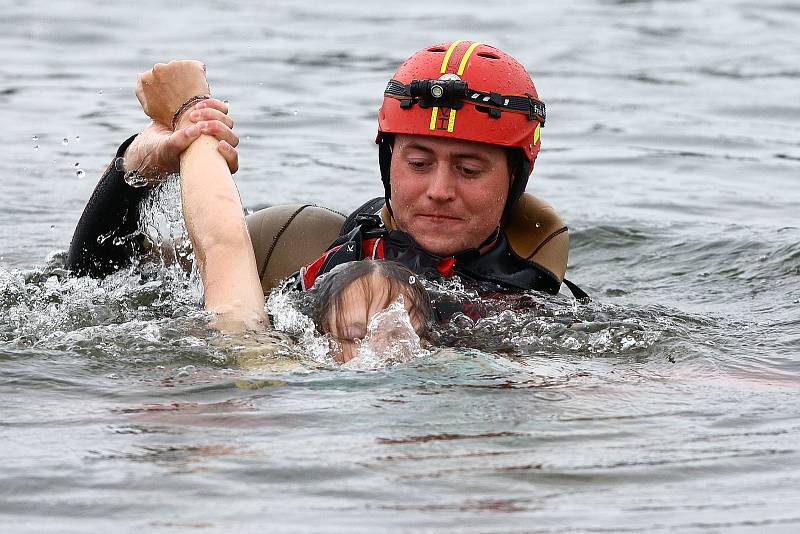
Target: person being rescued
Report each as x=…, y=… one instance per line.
x=458, y=136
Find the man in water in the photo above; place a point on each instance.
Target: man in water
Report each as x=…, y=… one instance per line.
x=459, y=132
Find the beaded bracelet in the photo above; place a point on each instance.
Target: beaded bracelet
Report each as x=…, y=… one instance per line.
x=186, y=105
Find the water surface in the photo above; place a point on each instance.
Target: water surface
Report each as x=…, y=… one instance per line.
x=670, y=403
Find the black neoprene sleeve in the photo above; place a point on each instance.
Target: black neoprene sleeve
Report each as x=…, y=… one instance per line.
x=104, y=240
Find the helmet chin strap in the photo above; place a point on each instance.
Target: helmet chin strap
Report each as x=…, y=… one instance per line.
x=519, y=169
x=385, y=163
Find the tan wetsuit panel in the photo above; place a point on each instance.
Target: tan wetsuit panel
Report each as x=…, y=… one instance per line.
x=288, y=237
x=535, y=232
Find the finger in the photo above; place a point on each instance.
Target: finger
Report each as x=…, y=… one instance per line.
x=210, y=114
x=230, y=154
x=180, y=139
x=219, y=131
x=213, y=103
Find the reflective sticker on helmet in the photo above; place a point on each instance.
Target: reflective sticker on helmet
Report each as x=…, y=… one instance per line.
x=446, y=119
x=442, y=119
x=452, y=122
x=536, y=134
x=446, y=59
x=464, y=59
x=434, y=112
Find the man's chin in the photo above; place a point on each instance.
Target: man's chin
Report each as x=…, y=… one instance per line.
x=433, y=240
x=438, y=247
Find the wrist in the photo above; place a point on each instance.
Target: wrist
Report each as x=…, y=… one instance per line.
x=130, y=158
x=185, y=119
x=137, y=165
x=185, y=107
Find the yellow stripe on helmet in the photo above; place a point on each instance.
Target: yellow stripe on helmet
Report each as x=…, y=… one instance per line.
x=452, y=122
x=447, y=57
x=434, y=112
x=464, y=59
x=536, y=133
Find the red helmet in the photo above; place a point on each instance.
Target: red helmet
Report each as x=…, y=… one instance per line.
x=464, y=90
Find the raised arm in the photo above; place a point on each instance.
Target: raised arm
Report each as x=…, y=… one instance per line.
x=212, y=208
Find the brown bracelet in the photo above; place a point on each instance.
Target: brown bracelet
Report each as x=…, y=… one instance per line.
x=186, y=105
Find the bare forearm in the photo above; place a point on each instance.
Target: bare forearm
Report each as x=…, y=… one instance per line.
x=215, y=222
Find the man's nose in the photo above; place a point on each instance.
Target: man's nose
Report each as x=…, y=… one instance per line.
x=442, y=184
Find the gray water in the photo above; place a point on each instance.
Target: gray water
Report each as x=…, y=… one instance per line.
x=668, y=404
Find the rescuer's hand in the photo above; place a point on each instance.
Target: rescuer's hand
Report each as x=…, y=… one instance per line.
x=155, y=153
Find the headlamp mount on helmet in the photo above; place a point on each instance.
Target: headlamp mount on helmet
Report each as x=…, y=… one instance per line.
x=451, y=92
x=428, y=93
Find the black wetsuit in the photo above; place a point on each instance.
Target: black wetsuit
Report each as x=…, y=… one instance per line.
x=106, y=238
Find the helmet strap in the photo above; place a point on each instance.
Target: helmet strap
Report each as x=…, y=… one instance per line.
x=519, y=171
x=385, y=162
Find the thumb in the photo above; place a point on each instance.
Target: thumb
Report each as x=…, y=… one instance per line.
x=180, y=139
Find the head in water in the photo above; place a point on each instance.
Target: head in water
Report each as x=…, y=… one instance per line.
x=344, y=301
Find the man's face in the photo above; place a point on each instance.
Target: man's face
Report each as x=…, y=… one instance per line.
x=447, y=194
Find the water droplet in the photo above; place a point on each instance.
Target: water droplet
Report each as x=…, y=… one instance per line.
x=65, y=141
x=134, y=179
x=79, y=173
x=35, y=138
x=52, y=227
x=77, y=164
x=295, y=112
x=77, y=138
x=36, y=147
x=225, y=101
x=538, y=225
x=99, y=91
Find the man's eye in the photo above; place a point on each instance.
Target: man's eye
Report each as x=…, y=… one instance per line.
x=417, y=164
x=469, y=171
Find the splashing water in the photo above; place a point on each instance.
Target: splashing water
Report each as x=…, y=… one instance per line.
x=390, y=340
x=282, y=308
